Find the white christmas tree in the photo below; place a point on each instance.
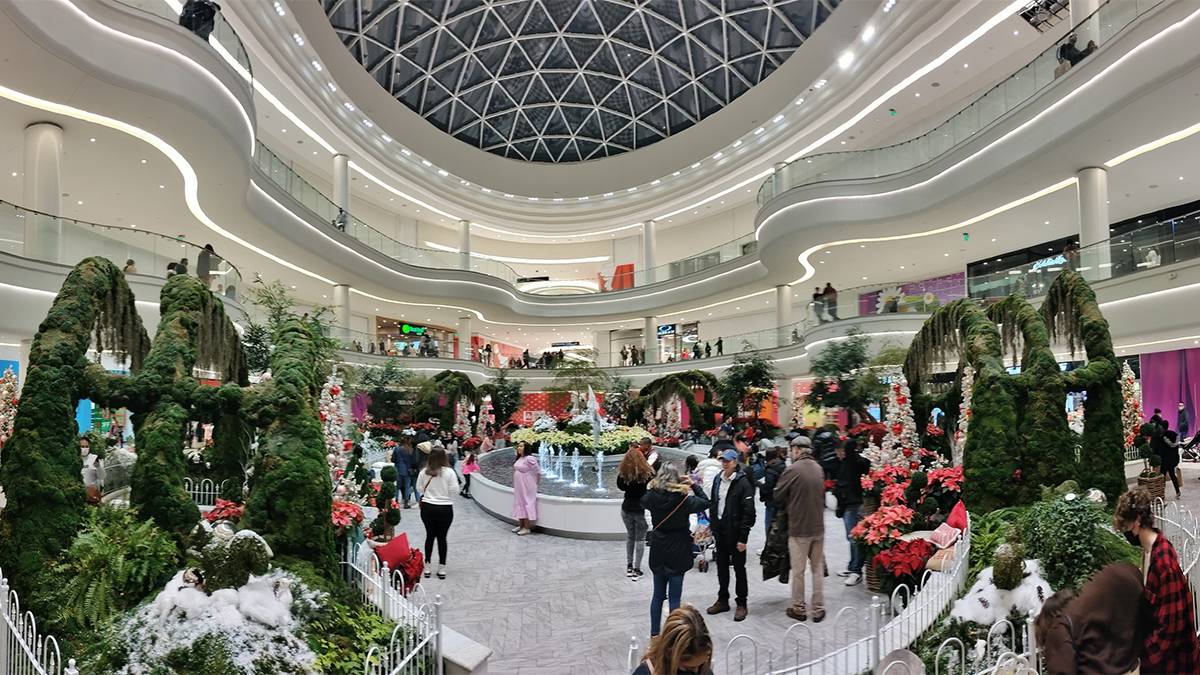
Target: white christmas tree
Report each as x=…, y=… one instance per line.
x=8, y=404
x=959, y=443
x=1131, y=412
x=462, y=417
x=900, y=443
x=333, y=425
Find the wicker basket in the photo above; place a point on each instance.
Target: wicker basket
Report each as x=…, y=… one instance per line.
x=1156, y=485
x=870, y=504
x=874, y=578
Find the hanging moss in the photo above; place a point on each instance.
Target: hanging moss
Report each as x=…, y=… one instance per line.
x=40, y=465
x=290, y=491
x=1071, y=311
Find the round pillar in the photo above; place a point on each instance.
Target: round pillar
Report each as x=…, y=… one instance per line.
x=42, y=191
x=650, y=340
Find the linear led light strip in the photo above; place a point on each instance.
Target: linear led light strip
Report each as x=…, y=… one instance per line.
x=1147, y=147
x=921, y=72
x=529, y=261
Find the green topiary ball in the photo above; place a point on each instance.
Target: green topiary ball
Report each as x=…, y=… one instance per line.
x=388, y=473
x=1008, y=566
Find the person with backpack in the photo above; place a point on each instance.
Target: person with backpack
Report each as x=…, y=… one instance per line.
x=671, y=497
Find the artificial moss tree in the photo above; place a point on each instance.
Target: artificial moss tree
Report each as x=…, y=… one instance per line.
x=683, y=386
x=439, y=397
x=290, y=492
x=40, y=464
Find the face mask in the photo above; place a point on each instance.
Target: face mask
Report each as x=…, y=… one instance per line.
x=1132, y=538
x=84, y=452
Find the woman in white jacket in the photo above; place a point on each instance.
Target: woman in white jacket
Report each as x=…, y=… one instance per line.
x=437, y=484
x=708, y=468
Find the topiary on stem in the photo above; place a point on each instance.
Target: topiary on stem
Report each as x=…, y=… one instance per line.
x=385, y=501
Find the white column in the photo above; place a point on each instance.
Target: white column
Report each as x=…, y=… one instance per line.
x=341, y=186
x=1080, y=10
x=43, y=191
x=466, y=328
x=341, y=312
x=784, y=390
x=650, y=340
x=783, y=314
x=777, y=178
x=23, y=362
x=464, y=244
x=1092, y=189
x=601, y=344
x=649, y=248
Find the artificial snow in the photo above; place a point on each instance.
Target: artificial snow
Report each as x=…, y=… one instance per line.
x=257, y=622
x=985, y=604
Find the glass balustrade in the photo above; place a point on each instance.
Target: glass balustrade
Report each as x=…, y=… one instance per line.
x=66, y=241
x=1167, y=242
x=1097, y=29
x=223, y=38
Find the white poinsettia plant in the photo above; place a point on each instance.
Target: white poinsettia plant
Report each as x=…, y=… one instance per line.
x=545, y=423
x=615, y=439
x=606, y=424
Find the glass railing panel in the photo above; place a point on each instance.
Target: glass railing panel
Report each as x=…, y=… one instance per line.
x=221, y=36
x=1099, y=27
x=66, y=241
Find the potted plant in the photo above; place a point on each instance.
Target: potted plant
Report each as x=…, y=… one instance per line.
x=902, y=563
x=1152, y=477
x=878, y=532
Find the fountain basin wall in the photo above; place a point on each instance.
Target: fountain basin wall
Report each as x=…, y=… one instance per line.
x=580, y=517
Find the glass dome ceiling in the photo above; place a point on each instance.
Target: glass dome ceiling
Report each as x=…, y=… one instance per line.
x=571, y=80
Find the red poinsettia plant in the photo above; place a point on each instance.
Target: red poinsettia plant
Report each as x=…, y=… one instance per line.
x=874, y=431
x=667, y=441
x=882, y=528
x=934, y=430
x=345, y=514
x=877, y=480
x=470, y=444
x=905, y=559
x=225, y=510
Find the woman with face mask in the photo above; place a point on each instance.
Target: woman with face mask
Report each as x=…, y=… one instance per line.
x=93, y=471
x=684, y=646
x=1171, y=646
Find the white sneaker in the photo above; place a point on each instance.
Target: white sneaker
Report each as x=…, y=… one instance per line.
x=441, y=571
x=523, y=531
x=844, y=573
x=515, y=529
x=854, y=579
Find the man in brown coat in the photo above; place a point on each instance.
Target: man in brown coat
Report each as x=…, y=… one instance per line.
x=801, y=490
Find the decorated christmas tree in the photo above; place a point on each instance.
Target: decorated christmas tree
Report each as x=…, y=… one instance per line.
x=964, y=415
x=330, y=408
x=900, y=442
x=8, y=404
x=1131, y=413
x=462, y=417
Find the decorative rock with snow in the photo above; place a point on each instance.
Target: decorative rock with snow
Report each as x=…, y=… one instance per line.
x=229, y=560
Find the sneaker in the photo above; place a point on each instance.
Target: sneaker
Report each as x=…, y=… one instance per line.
x=796, y=615
x=718, y=607
x=428, y=572
x=441, y=571
x=739, y=614
x=523, y=531
x=629, y=571
x=638, y=573
x=516, y=529
x=844, y=573
x=853, y=579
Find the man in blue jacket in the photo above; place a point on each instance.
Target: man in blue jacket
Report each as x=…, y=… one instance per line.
x=731, y=517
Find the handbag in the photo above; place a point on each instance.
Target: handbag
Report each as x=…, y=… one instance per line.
x=654, y=526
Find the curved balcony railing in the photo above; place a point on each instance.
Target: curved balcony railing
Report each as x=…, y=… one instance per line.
x=223, y=38
x=1167, y=242
x=67, y=241
x=1098, y=28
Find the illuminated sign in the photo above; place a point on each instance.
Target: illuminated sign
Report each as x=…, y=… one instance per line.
x=565, y=344
x=1059, y=259
x=412, y=330
x=666, y=329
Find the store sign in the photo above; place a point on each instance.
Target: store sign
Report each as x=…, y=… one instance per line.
x=666, y=329
x=565, y=344
x=412, y=330
x=530, y=280
x=1059, y=259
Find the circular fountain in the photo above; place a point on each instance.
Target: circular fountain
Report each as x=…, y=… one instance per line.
x=577, y=497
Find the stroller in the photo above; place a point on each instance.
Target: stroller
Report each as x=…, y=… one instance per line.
x=703, y=543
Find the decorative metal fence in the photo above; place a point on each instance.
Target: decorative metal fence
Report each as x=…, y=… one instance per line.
x=204, y=491
x=415, y=646
x=1182, y=529
x=24, y=651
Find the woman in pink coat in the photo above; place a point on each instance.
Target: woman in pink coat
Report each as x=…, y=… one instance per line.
x=526, y=474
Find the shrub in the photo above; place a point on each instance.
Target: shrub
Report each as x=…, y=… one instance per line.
x=1064, y=535
x=1008, y=566
x=115, y=562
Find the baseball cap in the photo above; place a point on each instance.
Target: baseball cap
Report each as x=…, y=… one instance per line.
x=729, y=456
x=802, y=442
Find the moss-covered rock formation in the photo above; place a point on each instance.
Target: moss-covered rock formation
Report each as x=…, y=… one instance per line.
x=40, y=465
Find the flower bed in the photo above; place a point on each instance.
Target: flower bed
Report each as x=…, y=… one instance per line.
x=569, y=435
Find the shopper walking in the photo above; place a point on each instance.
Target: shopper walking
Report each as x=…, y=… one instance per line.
x=849, y=492
x=1100, y=630
x=683, y=648
x=204, y=264
x=801, y=491
x=1171, y=646
x=633, y=475
x=404, y=459
x=199, y=16
x=731, y=518
x=1183, y=424
x=774, y=468
x=526, y=476
x=182, y=267
x=470, y=466
x=720, y=345
x=829, y=296
x=818, y=303
x=437, y=485
x=670, y=498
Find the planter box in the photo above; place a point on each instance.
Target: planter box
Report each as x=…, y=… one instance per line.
x=870, y=505
x=874, y=577
x=1155, y=486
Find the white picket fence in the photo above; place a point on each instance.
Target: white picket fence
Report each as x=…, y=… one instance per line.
x=1182, y=529
x=23, y=650
x=204, y=491
x=415, y=646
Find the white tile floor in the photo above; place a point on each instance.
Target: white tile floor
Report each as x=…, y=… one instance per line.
x=554, y=606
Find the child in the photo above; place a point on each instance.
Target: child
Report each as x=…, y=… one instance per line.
x=469, y=467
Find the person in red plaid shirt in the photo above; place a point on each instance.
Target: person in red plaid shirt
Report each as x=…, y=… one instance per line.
x=1171, y=646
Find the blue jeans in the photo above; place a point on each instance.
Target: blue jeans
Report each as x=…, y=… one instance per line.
x=404, y=484
x=768, y=516
x=850, y=517
x=667, y=587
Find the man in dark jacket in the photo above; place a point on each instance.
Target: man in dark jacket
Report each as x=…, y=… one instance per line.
x=772, y=471
x=849, y=494
x=824, y=448
x=731, y=517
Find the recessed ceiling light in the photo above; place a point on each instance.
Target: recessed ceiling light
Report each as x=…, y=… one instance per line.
x=80, y=202
x=868, y=33
x=162, y=187
x=946, y=255
x=1181, y=178
x=902, y=267
x=843, y=142
x=143, y=162
x=1016, y=33
x=845, y=59
x=918, y=94
x=777, y=119
x=1045, y=222
x=864, y=278
x=966, y=65
x=14, y=174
